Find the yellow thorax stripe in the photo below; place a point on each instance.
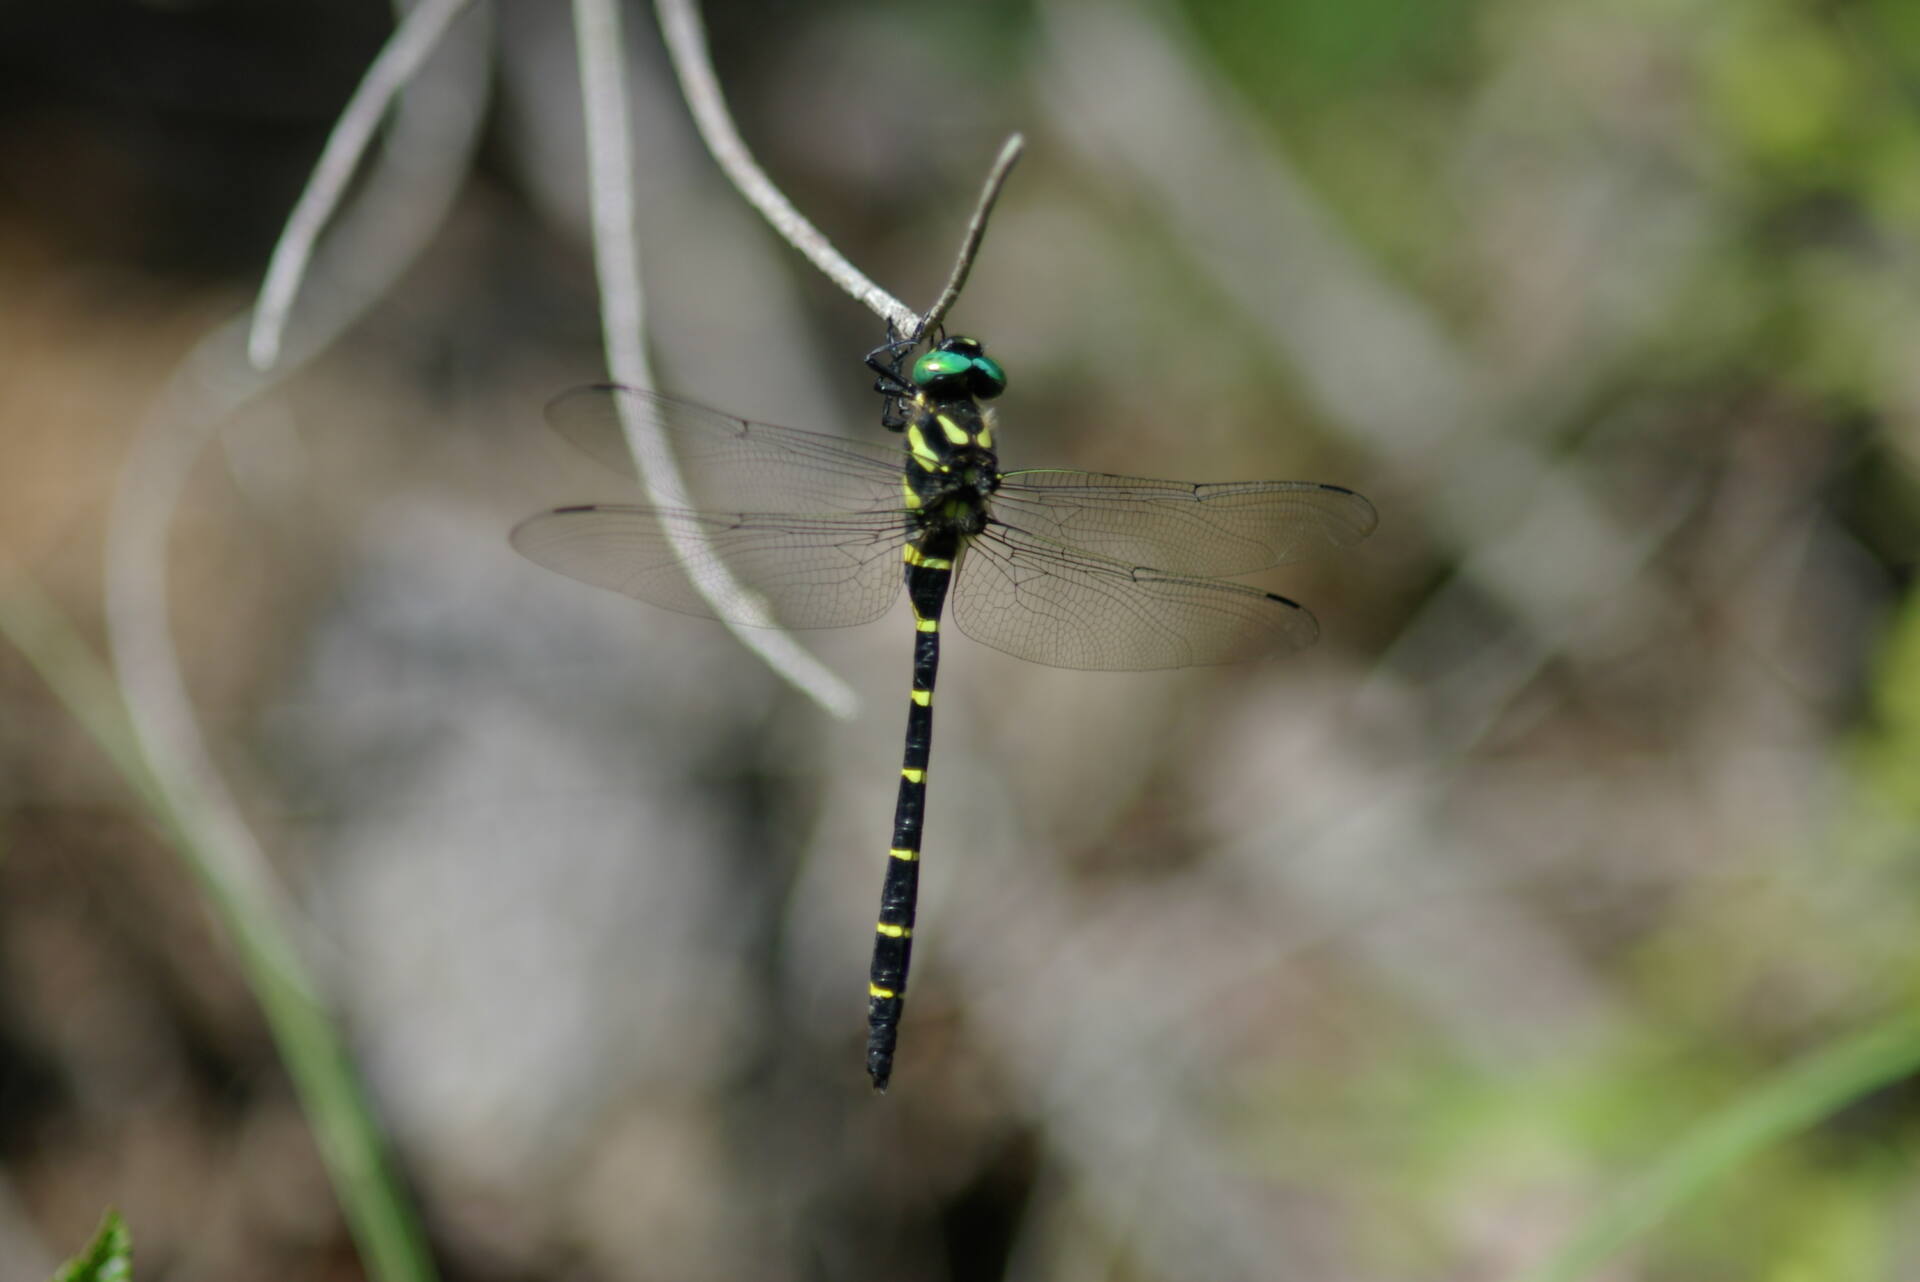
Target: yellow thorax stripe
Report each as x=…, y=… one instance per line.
x=917, y=442
x=914, y=556
x=956, y=434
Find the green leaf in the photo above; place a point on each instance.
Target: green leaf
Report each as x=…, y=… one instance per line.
x=108, y=1258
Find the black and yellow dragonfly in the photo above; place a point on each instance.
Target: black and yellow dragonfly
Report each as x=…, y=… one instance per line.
x=772, y=526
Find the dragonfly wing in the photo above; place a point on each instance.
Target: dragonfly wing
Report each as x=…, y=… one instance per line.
x=1041, y=601
x=700, y=458
x=1230, y=528
x=766, y=570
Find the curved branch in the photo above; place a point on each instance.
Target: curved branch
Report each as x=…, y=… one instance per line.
x=404, y=200
x=398, y=62
x=686, y=41
x=616, y=251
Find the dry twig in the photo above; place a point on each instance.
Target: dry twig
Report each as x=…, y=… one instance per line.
x=686, y=41
x=398, y=62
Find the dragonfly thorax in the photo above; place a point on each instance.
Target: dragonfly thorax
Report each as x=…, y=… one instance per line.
x=953, y=496
x=951, y=467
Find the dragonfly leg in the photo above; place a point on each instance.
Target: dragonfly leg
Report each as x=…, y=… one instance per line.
x=890, y=379
x=889, y=382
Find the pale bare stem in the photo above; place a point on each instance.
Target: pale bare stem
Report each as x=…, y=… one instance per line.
x=686, y=42
x=976, y=229
x=203, y=391
x=413, y=39
x=402, y=204
x=605, y=102
x=600, y=48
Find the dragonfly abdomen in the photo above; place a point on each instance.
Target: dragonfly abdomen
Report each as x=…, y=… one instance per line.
x=928, y=576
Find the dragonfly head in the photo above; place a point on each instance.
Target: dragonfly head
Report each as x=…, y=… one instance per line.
x=959, y=367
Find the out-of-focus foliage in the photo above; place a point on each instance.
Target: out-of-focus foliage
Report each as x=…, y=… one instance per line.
x=1559, y=911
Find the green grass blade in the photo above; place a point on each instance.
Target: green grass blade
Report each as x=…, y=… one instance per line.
x=379, y=1214
x=1800, y=1095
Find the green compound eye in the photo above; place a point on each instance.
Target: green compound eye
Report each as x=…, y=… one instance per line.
x=987, y=380
x=938, y=365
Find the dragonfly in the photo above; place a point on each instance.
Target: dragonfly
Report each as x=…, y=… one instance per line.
x=773, y=526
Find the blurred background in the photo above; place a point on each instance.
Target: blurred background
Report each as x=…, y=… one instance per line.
x=1596, y=805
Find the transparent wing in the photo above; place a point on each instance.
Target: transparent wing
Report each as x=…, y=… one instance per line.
x=764, y=570
x=725, y=463
x=1046, y=603
x=1183, y=528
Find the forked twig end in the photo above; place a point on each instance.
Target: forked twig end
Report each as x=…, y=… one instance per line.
x=1003, y=164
